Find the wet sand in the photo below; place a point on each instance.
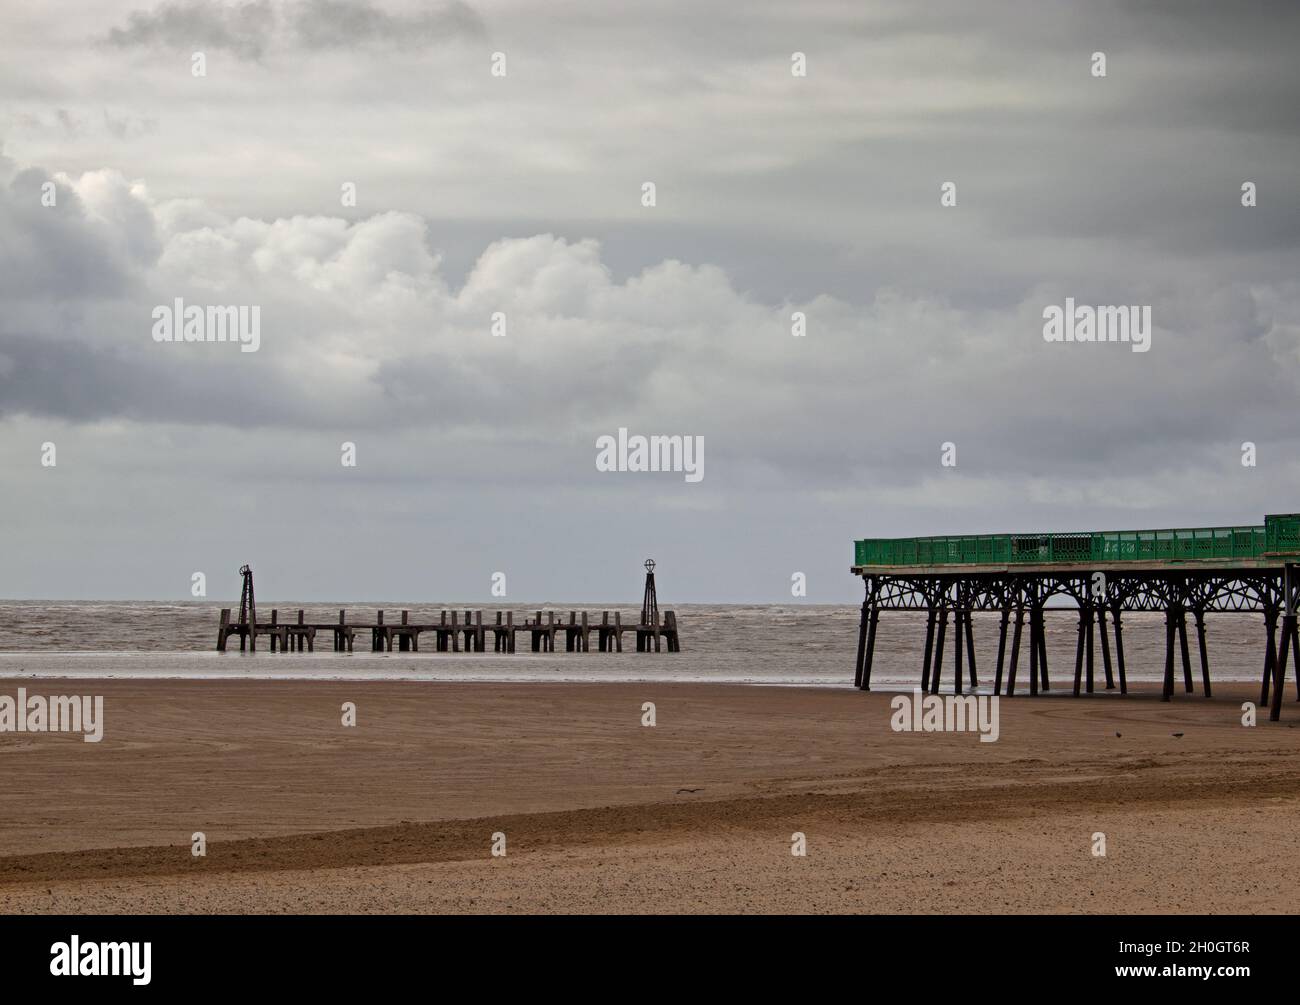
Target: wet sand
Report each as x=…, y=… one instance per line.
x=603, y=814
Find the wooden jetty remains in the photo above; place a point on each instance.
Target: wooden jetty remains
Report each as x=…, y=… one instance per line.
x=453, y=632
x=1240, y=570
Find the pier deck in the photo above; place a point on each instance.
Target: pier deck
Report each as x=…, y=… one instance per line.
x=1100, y=576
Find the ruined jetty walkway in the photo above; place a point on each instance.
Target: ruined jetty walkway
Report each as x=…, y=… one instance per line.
x=1241, y=570
x=451, y=633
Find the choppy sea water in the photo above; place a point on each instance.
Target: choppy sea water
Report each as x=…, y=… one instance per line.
x=751, y=644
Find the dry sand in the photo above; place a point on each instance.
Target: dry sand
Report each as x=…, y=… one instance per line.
x=602, y=814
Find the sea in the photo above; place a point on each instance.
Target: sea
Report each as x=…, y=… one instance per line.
x=797, y=644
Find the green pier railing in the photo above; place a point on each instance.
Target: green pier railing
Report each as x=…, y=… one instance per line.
x=1279, y=535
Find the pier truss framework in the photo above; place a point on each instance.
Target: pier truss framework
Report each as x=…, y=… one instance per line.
x=1101, y=597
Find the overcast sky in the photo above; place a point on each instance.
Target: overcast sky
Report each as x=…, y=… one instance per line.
x=522, y=194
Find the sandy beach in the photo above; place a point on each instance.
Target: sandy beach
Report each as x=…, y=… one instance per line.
x=600, y=813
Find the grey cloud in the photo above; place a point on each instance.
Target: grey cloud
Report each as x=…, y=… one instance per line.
x=1210, y=26
x=127, y=126
x=250, y=30
x=69, y=125
x=84, y=380
x=335, y=24
x=818, y=194
x=924, y=372
x=58, y=252
x=63, y=378
x=242, y=29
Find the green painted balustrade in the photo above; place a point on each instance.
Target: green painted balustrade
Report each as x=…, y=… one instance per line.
x=1279, y=535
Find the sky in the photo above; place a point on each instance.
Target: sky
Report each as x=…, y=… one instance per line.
x=923, y=398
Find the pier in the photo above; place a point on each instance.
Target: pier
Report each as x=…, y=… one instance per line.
x=454, y=631
x=1182, y=572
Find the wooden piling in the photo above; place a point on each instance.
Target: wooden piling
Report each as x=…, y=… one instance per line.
x=1105, y=647
x=930, y=623
x=1044, y=680
x=1182, y=642
x=1200, y=642
x=938, y=649
x=1090, y=654
x=1295, y=652
x=1170, y=631
x=958, y=642
x=1279, y=678
x=859, y=666
x=1015, y=649
x=1033, y=650
x=1119, y=650
x=1078, y=649
x=1270, y=653
x=1002, y=647
x=970, y=650
x=1044, y=683
x=871, y=643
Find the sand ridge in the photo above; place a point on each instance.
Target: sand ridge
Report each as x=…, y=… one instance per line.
x=694, y=814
